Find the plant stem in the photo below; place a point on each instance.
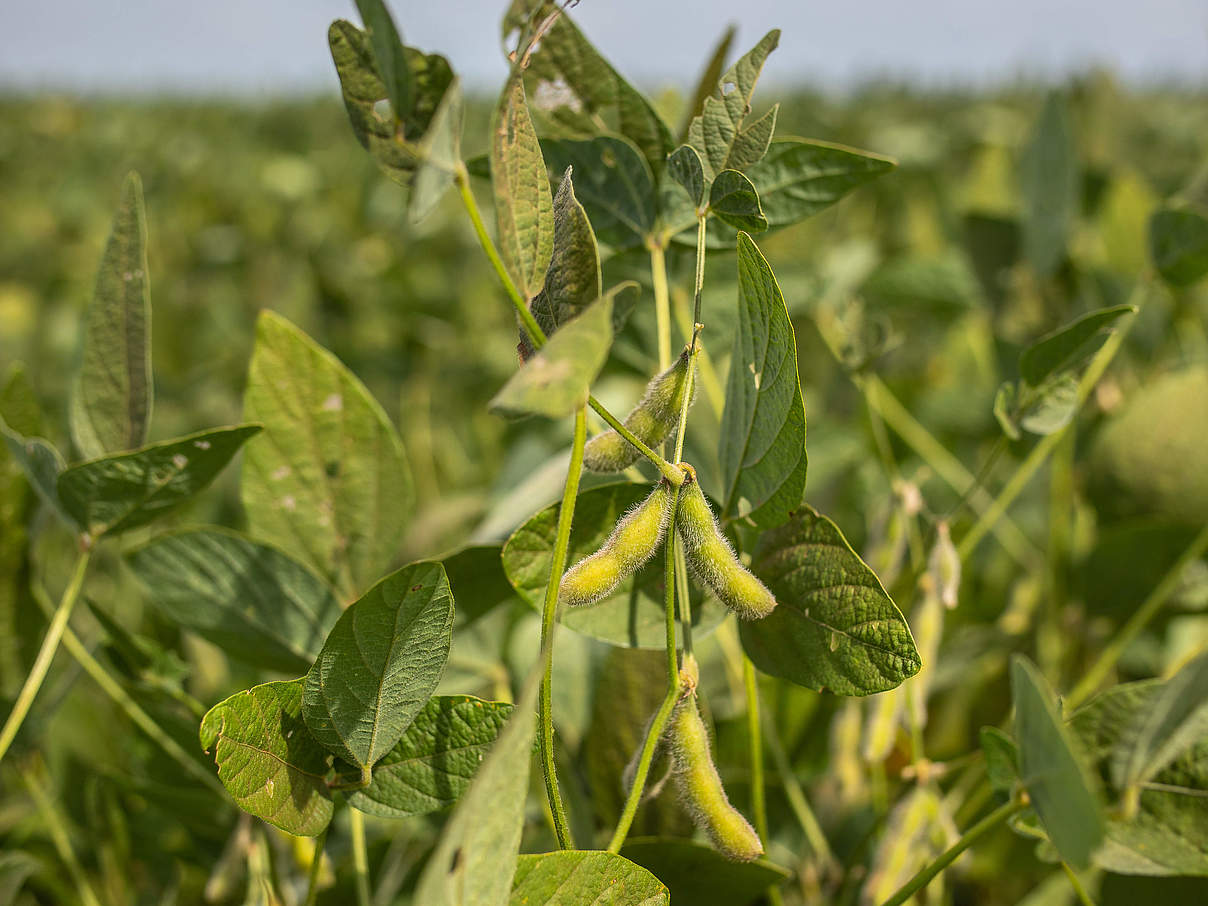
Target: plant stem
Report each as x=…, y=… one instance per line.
x=46, y=654
x=681, y=585
x=316, y=865
x=797, y=801
x=759, y=804
x=35, y=782
x=1079, y=888
x=1092, y=679
x=971, y=836
x=671, y=472
x=662, y=300
x=360, y=856
x=566, y=514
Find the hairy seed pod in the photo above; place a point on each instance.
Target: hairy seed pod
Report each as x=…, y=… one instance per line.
x=700, y=789
x=652, y=420
x=944, y=564
x=633, y=541
x=713, y=561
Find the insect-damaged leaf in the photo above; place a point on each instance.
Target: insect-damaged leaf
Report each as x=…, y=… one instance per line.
x=598, y=878
x=328, y=481
x=1178, y=244
x=380, y=663
x=123, y=491
x=834, y=626
x=762, y=449
x=388, y=54
x=431, y=766
x=267, y=760
x=613, y=183
x=734, y=200
x=111, y=394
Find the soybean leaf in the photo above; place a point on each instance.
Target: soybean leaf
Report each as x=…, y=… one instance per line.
x=123, y=491
x=388, y=54
x=41, y=464
x=1052, y=406
x=718, y=132
x=250, y=599
x=432, y=764
x=380, y=663
x=834, y=626
x=734, y=200
x=1049, y=180
x=475, y=858
x=555, y=381
x=762, y=448
x=477, y=581
x=328, y=480
x=1002, y=759
x=697, y=874
x=439, y=153
x=598, y=878
x=707, y=82
x=266, y=758
x=614, y=184
x=1067, y=347
x=685, y=168
x=139, y=657
x=111, y=392
x=1060, y=786
x=1178, y=244
x=523, y=203
x=633, y=615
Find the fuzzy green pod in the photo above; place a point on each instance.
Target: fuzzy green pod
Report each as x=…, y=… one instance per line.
x=651, y=421
x=713, y=561
x=700, y=789
x=633, y=541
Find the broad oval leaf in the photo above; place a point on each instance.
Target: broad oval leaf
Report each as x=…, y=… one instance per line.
x=698, y=874
x=328, y=480
x=1178, y=244
x=1002, y=759
x=111, y=394
x=380, y=663
x=123, y=491
x=432, y=765
x=267, y=760
x=578, y=877
x=834, y=626
x=1066, y=347
x=1060, y=786
x=633, y=615
x=250, y=599
x=1049, y=181
x=762, y=448
x=685, y=168
x=734, y=200
x=614, y=184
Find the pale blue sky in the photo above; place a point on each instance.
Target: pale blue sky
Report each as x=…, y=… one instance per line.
x=262, y=46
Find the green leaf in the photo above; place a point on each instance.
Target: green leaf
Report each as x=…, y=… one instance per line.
x=718, y=133
x=733, y=198
x=126, y=490
x=1067, y=347
x=41, y=464
x=1052, y=406
x=697, y=874
x=834, y=626
x=380, y=663
x=328, y=481
x=524, y=208
x=478, y=582
x=266, y=758
x=762, y=449
x=707, y=82
x=633, y=615
x=596, y=878
x=388, y=54
x=112, y=391
x=1058, y=782
x=557, y=378
x=475, y=858
x=439, y=153
x=433, y=763
x=614, y=184
x=685, y=168
x=1178, y=244
x=249, y=599
x=1049, y=181
x=1002, y=759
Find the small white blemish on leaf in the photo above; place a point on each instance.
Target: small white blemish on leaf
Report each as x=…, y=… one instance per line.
x=333, y=403
x=279, y=473
x=269, y=786
x=201, y=444
x=289, y=503
x=757, y=375
x=180, y=460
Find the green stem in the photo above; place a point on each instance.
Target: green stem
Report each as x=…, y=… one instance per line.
x=1050, y=641
x=662, y=301
x=797, y=801
x=759, y=803
x=672, y=473
x=50, y=644
x=316, y=866
x=360, y=856
x=35, y=782
x=1076, y=883
x=1149, y=608
x=681, y=585
x=971, y=836
x=566, y=514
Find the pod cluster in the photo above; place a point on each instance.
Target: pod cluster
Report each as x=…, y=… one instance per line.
x=651, y=421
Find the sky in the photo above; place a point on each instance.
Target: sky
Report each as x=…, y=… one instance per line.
x=264, y=47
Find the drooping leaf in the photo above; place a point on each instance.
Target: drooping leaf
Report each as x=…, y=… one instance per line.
x=524, y=207
x=1049, y=180
x=475, y=858
x=733, y=198
x=598, y=878
x=1053, y=771
x=250, y=599
x=267, y=759
x=706, y=84
x=697, y=874
x=1002, y=759
x=762, y=449
x=123, y=491
x=112, y=391
x=41, y=464
x=1178, y=244
x=613, y=183
x=380, y=663
x=328, y=481
x=556, y=379
x=1069, y=346
x=432, y=765
x=685, y=168
x=439, y=153
x=388, y=54
x=834, y=626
